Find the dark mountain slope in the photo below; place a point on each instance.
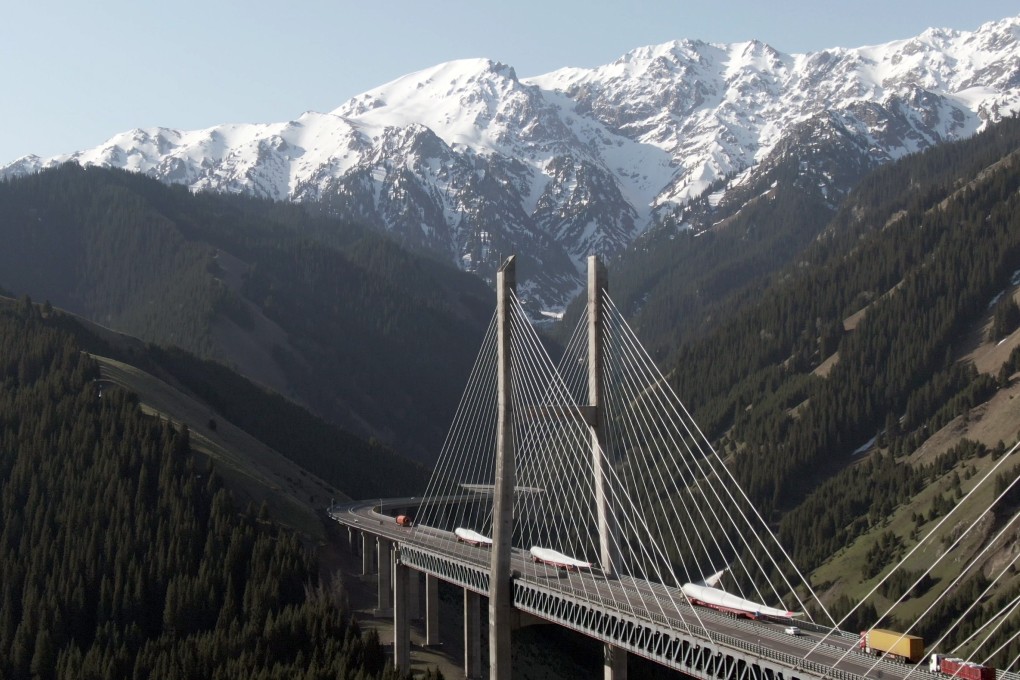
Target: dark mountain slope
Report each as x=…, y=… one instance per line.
x=123, y=556
x=267, y=448
x=329, y=314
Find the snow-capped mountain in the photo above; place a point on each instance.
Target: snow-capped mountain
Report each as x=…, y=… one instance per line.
x=470, y=161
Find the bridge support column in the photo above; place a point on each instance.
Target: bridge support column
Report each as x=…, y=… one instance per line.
x=431, y=610
x=385, y=563
x=367, y=552
x=413, y=595
x=614, y=664
x=352, y=540
x=472, y=635
x=401, y=622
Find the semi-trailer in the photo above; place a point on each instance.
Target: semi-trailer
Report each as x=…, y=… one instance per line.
x=959, y=668
x=891, y=643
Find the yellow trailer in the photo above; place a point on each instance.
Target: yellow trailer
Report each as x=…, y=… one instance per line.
x=890, y=643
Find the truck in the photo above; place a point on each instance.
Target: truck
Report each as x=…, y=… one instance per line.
x=959, y=668
x=405, y=520
x=890, y=643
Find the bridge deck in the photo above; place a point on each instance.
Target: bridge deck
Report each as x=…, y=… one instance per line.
x=646, y=618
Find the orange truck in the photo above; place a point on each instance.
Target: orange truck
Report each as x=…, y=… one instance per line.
x=405, y=520
x=890, y=643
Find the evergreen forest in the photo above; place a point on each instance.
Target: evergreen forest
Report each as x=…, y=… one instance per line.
x=122, y=554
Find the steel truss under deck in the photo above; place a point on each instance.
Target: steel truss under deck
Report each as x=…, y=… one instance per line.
x=669, y=642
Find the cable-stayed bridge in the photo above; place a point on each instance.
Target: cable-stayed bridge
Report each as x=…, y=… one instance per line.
x=583, y=494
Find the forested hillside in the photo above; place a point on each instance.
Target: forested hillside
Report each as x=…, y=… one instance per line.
x=846, y=398
x=121, y=555
x=923, y=246
x=349, y=464
x=334, y=316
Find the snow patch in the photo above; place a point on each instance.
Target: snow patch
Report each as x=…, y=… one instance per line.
x=865, y=447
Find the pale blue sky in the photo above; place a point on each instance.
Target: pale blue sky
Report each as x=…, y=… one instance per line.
x=76, y=73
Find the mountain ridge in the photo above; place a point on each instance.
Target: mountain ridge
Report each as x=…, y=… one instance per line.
x=469, y=161
x=319, y=310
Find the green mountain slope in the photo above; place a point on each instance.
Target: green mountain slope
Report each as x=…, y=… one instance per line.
x=333, y=316
x=865, y=388
x=276, y=450
x=923, y=248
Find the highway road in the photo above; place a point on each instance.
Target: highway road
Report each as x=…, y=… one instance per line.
x=646, y=600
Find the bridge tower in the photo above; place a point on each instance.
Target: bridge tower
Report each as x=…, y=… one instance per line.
x=500, y=595
x=614, y=658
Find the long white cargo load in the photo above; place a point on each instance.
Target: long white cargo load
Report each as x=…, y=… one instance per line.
x=472, y=537
x=557, y=559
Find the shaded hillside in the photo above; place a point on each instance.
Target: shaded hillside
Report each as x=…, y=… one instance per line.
x=122, y=556
x=305, y=460
x=338, y=318
x=358, y=468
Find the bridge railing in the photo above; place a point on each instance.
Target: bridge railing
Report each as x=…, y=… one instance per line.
x=698, y=631
x=685, y=627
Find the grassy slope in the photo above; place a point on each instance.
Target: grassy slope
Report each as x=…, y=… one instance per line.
x=996, y=420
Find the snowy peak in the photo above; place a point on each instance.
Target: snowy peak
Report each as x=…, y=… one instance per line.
x=457, y=99
x=469, y=161
x=421, y=91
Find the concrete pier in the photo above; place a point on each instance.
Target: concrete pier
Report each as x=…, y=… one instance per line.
x=414, y=595
x=614, y=662
x=367, y=552
x=472, y=635
x=385, y=576
x=431, y=610
x=401, y=622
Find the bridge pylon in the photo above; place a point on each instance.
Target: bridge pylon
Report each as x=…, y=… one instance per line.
x=614, y=658
x=500, y=595
x=557, y=451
